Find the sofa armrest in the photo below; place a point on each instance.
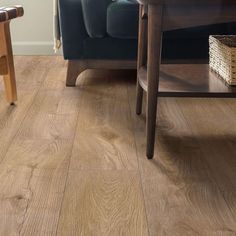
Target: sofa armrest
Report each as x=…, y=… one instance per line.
x=72, y=28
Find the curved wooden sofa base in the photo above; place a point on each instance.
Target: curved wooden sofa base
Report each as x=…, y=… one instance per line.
x=76, y=67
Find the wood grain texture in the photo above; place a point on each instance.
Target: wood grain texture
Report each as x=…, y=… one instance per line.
x=103, y=203
x=34, y=166
x=40, y=153
x=154, y=49
x=11, y=117
x=30, y=200
x=188, y=189
x=31, y=73
x=217, y=142
x=188, y=80
x=48, y=116
x=45, y=122
x=3, y=65
x=43, y=141
x=104, y=138
x=180, y=191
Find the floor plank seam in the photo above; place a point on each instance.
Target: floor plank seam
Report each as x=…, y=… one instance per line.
x=68, y=169
x=137, y=156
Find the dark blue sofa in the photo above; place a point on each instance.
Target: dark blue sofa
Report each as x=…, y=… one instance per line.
x=103, y=34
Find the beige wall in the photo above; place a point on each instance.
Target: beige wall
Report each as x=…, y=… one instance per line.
x=32, y=34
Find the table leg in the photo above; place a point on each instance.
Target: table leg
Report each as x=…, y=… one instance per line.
x=153, y=67
x=142, y=55
x=6, y=49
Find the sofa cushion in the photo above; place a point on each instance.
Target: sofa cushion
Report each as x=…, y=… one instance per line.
x=95, y=14
x=122, y=19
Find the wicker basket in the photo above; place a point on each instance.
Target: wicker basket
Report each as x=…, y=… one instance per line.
x=223, y=56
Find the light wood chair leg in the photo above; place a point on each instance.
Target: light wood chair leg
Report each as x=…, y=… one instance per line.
x=153, y=66
x=142, y=56
x=75, y=68
x=6, y=49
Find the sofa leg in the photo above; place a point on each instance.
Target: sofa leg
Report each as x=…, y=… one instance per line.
x=75, y=68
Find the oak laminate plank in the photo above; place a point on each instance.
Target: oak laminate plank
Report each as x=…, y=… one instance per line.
x=11, y=117
x=213, y=123
x=41, y=70
x=43, y=154
x=104, y=137
x=180, y=193
x=69, y=103
x=55, y=79
x=55, y=108
x=44, y=119
x=103, y=203
x=32, y=63
x=30, y=200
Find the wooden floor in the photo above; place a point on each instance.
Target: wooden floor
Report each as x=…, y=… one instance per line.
x=72, y=160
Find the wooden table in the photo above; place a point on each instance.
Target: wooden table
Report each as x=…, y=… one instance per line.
x=176, y=80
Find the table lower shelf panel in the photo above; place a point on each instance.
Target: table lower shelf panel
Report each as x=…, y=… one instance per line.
x=188, y=80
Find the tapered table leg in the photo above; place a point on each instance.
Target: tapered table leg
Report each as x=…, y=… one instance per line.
x=142, y=55
x=153, y=67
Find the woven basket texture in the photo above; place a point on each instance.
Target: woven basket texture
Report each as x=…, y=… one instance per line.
x=223, y=56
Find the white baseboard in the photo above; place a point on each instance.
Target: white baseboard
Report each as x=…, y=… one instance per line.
x=34, y=48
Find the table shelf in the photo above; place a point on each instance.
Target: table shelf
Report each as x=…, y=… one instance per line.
x=188, y=80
